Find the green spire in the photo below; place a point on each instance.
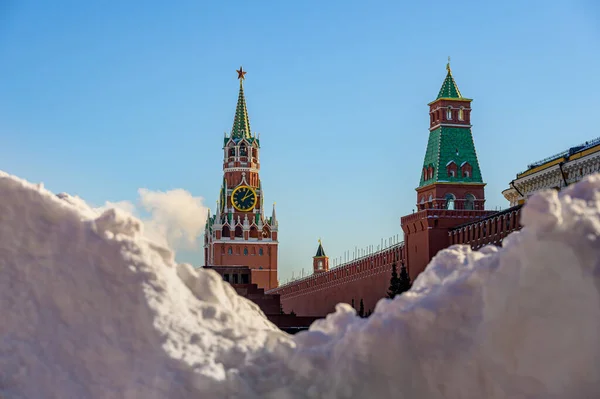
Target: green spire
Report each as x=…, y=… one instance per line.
x=241, y=122
x=449, y=88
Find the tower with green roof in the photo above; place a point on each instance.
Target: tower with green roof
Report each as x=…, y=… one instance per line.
x=239, y=234
x=450, y=174
x=320, y=260
x=451, y=189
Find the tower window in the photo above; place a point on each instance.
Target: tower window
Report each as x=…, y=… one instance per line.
x=451, y=169
x=430, y=172
x=450, y=198
x=320, y=265
x=461, y=114
x=245, y=251
x=229, y=251
x=243, y=151
x=260, y=252
x=449, y=113
x=469, y=202
x=232, y=152
x=466, y=169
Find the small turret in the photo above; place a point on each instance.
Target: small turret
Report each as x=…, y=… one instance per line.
x=274, y=223
x=320, y=260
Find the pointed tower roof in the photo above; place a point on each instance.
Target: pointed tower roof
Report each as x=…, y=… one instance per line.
x=320, y=251
x=241, y=122
x=274, y=216
x=449, y=88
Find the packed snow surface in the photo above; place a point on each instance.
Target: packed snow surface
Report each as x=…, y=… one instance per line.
x=92, y=309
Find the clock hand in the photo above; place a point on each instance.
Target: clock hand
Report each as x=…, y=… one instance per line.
x=247, y=195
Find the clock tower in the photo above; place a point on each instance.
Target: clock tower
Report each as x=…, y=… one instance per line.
x=239, y=233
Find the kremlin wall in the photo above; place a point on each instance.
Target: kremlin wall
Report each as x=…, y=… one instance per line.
x=450, y=202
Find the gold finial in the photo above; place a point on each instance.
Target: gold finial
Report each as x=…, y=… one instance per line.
x=241, y=73
x=274, y=203
x=448, y=65
x=319, y=240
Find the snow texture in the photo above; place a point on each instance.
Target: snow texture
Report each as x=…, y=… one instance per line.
x=92, y=309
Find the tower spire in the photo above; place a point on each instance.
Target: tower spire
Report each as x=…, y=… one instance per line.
x=241, y=122
x=449, y=88
x=320, y=250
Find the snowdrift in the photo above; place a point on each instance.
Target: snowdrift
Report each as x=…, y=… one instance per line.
x=92, y=309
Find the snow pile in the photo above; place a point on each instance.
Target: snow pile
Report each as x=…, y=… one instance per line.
x=91, y=309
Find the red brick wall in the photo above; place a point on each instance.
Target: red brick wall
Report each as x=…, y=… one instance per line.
x=367, y=278
x=490, y=230
x=426, y=233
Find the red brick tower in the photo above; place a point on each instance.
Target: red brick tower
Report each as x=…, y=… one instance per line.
x=239, y=234
x=320, y=260
x=451, y=190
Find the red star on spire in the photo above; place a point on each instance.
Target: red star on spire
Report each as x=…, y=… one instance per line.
x=241, y=73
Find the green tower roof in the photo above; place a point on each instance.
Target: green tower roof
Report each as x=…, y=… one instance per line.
x=241, y=122
x=449, y=88
x=451, y=144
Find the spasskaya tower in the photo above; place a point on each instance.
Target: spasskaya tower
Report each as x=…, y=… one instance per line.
x=239, y=233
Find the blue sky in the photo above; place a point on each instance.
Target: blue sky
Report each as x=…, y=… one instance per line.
x=99, y=99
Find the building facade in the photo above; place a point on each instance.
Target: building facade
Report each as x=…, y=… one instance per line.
x=239, y=234
x=555, y=172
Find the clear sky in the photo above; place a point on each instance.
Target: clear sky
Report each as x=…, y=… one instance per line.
x=99, y=99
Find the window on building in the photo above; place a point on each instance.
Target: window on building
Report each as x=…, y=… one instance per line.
x=226, y=277
x=469, y=201
x=461, y=114
x=449, y=113
x=232, y=152
x=320, y=265
x=450, y=198
x=243, y=151
x=245, y=251
x=260, y=252
x=229, y=251
x=451, y=169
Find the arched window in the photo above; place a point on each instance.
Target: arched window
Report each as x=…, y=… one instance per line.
x=245, y=251
x=466, y=169
x=450, y=198
x=469, y=201
x=239, y=232
x=451, y=168
x=430, y=172
x=260, y=252
x=449, y=113
x=320, y=265
x=243, y=151
x=430, y=198
x=232, y=152
x=461, y=114
x=229, y=251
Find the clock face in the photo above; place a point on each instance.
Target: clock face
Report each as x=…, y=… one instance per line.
x=243, y=198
